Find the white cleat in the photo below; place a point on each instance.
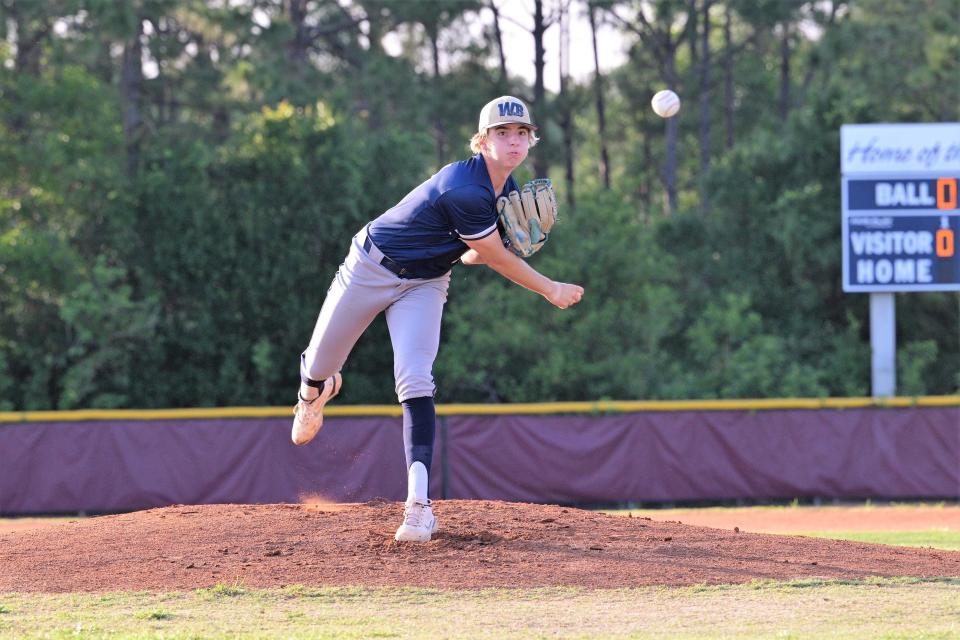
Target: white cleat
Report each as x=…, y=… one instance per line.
x=419, y=522
x=308, y=416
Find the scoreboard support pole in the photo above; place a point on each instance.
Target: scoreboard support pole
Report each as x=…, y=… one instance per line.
x=883, y=345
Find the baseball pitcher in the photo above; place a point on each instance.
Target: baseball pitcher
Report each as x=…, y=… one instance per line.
x=470, y=211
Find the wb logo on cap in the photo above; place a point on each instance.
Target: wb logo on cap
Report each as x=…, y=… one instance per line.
x=512, y=109
x=505, y=110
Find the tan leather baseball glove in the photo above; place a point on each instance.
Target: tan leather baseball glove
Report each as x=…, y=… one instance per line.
x=527, y=216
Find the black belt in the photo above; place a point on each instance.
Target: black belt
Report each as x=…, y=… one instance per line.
x=390, y=264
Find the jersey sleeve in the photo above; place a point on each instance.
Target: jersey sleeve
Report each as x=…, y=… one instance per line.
x=471, y=211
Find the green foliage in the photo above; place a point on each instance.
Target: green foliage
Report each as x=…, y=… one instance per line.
x=106, y=328
x=772, y=238
x=734, y=358
x=59, y=183
x=254, y=231
x=507, y=344
x=912, y=361
x=193, y=278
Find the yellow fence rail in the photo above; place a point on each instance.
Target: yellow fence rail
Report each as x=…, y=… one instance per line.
x=538, y=408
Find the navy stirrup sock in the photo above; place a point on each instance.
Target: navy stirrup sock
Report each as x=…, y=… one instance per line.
x=316, y=384
x=419, y=427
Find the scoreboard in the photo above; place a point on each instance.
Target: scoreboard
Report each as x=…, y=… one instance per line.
x=900, y=213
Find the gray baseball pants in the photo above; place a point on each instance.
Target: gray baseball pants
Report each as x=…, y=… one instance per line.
x=360, y=290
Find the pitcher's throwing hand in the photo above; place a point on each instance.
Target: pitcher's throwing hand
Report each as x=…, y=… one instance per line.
x=565, y=295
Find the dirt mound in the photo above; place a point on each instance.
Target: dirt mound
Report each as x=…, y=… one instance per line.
x=480, y=544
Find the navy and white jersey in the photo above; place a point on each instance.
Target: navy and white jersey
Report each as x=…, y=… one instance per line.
x=425, y=230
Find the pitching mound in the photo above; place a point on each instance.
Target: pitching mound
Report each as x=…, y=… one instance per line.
x=480, y=544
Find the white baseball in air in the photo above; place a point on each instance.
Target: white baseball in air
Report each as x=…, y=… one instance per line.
x=665, y=103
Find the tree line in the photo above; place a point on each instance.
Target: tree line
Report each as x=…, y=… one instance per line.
x=179, y=180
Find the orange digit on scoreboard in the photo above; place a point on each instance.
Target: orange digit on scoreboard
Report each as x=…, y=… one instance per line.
x=944, y=243
x=946, y=193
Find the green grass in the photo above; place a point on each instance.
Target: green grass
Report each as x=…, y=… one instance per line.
x=156, y=614
x=794, y=505
x=946, y=539
x=877, y=608
x=932, y=538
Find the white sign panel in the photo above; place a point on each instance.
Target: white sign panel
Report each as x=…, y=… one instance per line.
x=899, y=148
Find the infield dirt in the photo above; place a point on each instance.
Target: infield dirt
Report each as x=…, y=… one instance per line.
x=479, y=544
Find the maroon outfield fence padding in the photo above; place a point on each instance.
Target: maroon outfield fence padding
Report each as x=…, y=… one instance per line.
x=709, y=455
x=650, y=456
